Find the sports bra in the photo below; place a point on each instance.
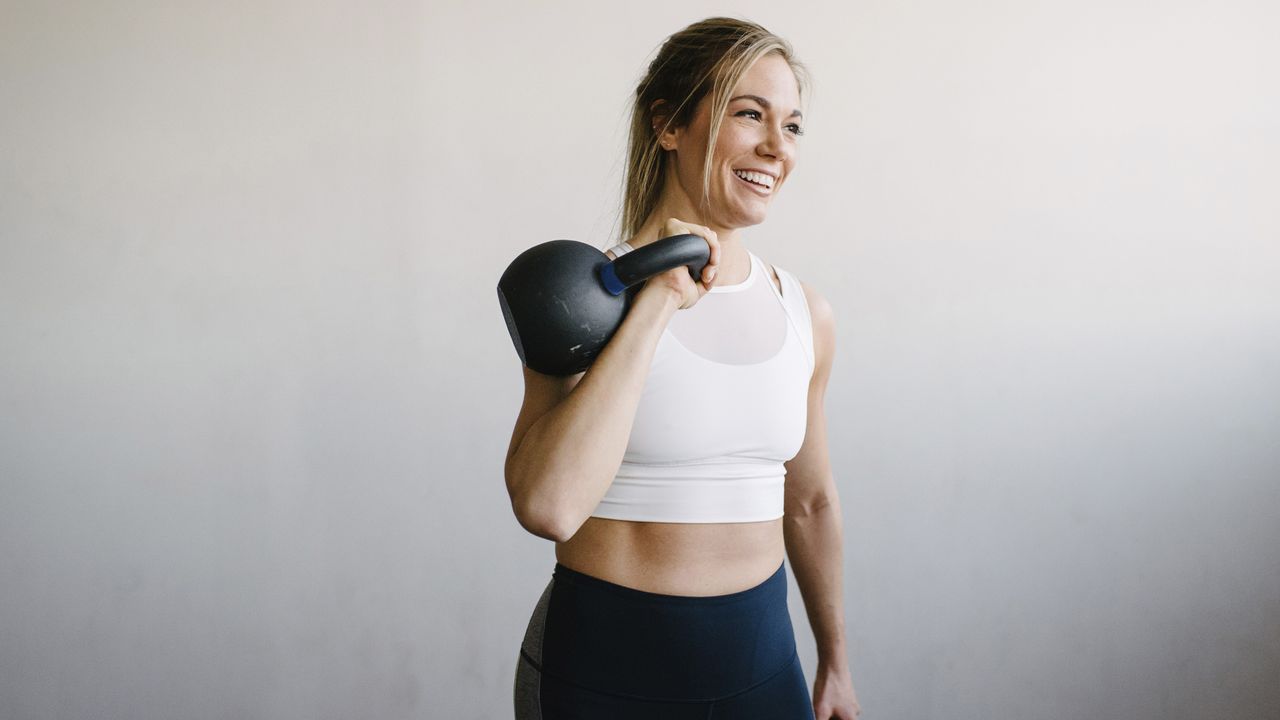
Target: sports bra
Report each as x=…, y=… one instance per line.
x=724, y=405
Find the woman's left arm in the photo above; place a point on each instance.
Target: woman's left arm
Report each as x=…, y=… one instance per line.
x=812, y=531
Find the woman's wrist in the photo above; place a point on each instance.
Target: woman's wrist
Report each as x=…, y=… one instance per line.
x=833, y=664
x=662, y=295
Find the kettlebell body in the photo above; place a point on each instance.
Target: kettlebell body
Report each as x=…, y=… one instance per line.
x=563, y=300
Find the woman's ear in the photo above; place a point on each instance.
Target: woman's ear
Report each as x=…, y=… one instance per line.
x=667, y=136
x=669, y=140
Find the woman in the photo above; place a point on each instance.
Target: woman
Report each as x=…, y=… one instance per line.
x=659, y=472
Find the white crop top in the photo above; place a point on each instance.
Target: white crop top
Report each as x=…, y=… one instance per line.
x=724, y=405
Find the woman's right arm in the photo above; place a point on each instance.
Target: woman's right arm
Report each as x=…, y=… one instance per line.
x=572, y=432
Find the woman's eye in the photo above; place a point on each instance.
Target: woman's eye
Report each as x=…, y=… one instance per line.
x=755, y=114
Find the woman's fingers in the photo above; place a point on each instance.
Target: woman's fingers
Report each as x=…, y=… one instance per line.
x=713, y=260
x=676, y=226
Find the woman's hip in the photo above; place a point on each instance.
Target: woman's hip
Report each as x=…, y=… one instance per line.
x=621, y=641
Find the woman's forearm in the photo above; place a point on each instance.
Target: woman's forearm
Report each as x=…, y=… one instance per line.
x=815, y=550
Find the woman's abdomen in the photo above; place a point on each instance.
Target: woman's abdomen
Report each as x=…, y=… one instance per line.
x=692, y=559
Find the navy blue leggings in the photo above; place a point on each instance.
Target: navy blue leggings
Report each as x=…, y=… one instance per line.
x=595, y=649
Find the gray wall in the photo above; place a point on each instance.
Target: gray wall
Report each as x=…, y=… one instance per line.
x=255, y=388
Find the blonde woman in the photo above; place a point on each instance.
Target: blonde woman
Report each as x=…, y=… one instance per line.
x=677, y=473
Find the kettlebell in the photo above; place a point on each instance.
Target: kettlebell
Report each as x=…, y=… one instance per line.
x=563, y=299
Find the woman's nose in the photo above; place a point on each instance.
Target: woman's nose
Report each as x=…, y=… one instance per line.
x=774, y=144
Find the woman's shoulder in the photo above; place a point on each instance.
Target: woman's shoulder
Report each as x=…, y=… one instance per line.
x=819, y=307
x=815, y=301
x=821, y=316
x=823, y=320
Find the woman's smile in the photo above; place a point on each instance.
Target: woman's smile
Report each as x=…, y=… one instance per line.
x=759, y=182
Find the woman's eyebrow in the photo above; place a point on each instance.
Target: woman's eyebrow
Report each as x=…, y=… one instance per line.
x=765, y=103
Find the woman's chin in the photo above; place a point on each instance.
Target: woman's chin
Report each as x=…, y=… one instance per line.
x=747, y=219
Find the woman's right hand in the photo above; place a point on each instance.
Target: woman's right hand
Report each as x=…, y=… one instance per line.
x=677, y=280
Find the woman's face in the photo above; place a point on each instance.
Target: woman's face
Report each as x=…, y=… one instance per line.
x=755, y=152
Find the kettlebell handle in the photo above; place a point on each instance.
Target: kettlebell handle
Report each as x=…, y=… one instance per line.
x=644, y=262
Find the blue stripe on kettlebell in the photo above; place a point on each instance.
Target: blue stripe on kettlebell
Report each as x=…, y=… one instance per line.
x=610, y=279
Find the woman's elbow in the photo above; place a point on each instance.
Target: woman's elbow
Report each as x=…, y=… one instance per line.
x=545, y=526
x=542, y=518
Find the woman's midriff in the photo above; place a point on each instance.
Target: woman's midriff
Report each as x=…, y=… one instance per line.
x=696, y=559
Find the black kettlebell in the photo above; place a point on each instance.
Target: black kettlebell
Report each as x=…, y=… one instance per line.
x=563, y=300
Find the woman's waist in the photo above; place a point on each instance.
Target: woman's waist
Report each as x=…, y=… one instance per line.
x=690, y=559
x=616, y=639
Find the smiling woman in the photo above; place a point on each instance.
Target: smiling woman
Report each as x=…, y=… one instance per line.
x=689, y=461
x=690, y=86
x=713, y=182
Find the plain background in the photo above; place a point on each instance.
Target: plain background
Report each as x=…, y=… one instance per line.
x=256, y=390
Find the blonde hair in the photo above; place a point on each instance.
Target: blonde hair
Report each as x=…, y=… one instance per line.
x=708, y=57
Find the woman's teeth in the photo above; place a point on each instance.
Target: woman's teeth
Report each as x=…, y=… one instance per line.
x=755, y=178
